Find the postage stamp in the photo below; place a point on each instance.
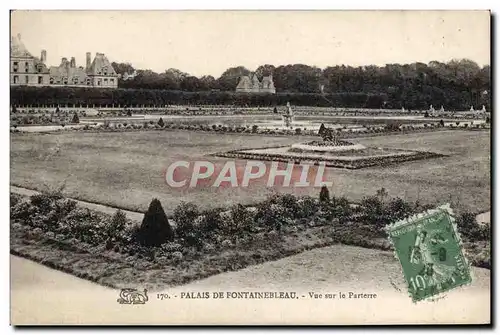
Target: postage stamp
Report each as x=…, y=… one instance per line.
x=430, y=251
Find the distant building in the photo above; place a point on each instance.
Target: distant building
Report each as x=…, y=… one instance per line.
x=26, y=69
x=127, y=76
x=251, y=84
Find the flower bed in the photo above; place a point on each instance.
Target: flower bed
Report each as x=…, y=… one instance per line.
x=324, y=147
x=357, y=162
x=54, y=231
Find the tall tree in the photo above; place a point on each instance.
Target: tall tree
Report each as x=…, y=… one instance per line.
x=229, y=78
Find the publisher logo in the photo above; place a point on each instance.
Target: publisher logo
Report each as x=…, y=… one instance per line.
x=132, y=296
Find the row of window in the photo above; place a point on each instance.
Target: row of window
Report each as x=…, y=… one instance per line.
x=65, y=81
x=27, y=79
x=15, y=67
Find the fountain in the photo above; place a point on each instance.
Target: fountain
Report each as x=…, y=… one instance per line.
x=330, y=150
x=330, y=143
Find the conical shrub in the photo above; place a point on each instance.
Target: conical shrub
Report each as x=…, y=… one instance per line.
x=324, y=194
x=155, y=228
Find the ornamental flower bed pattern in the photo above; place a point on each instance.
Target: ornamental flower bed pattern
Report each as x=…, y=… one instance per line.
x=355, y=163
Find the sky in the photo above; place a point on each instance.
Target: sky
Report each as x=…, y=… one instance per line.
x=209, y=42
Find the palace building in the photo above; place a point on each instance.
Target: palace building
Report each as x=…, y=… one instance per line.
x=28, y=70
x=253, y=85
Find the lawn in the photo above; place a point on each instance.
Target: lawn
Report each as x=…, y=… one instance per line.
x=126, y=169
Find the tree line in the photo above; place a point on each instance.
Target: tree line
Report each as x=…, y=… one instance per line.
x=457, y=84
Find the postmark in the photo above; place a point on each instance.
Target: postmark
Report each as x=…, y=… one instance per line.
x=430, y=251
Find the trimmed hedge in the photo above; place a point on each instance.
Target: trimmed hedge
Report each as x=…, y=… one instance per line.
x=25, y=95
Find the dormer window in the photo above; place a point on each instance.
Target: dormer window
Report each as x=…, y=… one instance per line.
x=51, y=80
x=65, y=81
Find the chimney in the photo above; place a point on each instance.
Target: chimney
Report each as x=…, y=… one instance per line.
x=73, y=62
x=88, y=60
x=43, y=56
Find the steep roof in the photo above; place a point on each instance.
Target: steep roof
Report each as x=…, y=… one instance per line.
x=65, y=70
x=101, y=66
x=255, y=79
x=17, y=48
x=267, y=82
x=244, y=83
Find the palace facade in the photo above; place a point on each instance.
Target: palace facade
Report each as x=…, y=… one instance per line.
x=28, y=70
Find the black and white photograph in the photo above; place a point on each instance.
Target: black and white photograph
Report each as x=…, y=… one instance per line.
x=250, y=167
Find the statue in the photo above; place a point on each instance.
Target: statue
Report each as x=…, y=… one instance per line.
x=484, y=109
x=329, y=135
x=472, y=108
x=288, y=116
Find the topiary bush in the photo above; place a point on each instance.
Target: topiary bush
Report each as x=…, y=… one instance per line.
x=161, y=123
x=324, y=195
x=155, y=228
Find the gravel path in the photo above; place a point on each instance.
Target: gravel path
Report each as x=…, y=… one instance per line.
x=43, y=295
